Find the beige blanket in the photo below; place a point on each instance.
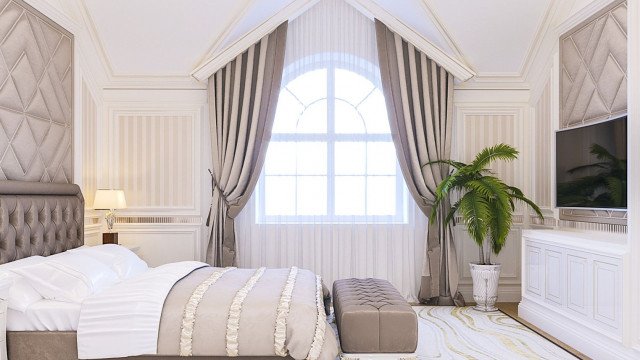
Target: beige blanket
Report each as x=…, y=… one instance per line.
x=247, y=312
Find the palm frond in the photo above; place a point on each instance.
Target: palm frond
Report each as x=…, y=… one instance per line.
x=475, y=213
x=488, y=155
x=500, y=225
x=452, y=163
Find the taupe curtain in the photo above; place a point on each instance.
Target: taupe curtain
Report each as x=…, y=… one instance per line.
x=419, y=98
x=242, y=102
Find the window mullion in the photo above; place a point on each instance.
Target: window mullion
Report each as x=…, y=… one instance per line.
x=331, y=130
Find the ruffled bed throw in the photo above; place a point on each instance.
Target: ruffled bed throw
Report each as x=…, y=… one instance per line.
x=191, y=309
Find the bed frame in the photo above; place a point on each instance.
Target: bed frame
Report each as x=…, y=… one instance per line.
x=46, y=219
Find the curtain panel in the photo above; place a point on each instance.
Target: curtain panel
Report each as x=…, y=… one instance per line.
x=419, y=98
x=242, y=102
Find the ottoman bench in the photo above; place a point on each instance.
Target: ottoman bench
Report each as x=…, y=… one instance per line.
x=372, y=317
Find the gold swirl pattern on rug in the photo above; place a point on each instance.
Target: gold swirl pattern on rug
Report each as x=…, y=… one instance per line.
x=448, y=332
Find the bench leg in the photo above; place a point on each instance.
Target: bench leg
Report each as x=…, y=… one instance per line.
x=378, y=356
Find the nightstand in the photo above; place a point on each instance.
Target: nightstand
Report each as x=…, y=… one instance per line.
x=5, y=284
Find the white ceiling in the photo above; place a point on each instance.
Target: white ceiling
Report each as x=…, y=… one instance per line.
x=171, y=37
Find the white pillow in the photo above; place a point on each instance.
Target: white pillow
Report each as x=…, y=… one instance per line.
x=21, y=294
x=69, y=277
x=120, y=259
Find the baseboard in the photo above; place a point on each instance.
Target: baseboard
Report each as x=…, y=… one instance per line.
x=506, y=292
x=586, y=340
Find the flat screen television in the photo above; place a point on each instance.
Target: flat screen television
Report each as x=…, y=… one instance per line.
x=591, y=166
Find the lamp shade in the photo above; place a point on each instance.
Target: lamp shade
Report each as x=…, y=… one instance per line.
x=109, y=199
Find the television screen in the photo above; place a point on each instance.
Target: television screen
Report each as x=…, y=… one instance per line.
x=591, y=165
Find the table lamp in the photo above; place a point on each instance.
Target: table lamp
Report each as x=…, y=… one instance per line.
x=110, y=200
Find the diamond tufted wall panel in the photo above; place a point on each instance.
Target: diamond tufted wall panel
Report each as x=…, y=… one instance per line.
x=36, y=96
x=593, y=78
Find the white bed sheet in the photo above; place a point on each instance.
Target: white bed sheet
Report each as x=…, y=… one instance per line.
x=45, y=315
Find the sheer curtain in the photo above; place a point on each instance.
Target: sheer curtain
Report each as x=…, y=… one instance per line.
x=331, y=197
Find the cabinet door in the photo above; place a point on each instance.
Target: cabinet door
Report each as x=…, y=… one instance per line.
x=578, y=284
x=554, y=277
x=607, y=292
x=534, y=270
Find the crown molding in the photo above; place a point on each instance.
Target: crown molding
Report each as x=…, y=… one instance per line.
x=57, y=15
x=458, y=69
x=536, y=43
x=582, y=15
x=214, y=63
x=149, y=82
x=215, y=46
x=427, y=6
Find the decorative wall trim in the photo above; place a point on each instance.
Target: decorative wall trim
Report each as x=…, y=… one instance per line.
x=196, y=220
x=550, y=222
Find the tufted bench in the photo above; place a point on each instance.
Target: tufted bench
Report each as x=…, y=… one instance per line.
x=373, y=317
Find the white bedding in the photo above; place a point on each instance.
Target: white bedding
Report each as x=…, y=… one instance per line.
x=128, y=314
x=45, y=315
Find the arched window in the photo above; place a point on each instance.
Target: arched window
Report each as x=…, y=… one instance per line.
x=331, y=157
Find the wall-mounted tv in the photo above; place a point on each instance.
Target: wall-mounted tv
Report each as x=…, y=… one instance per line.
x=591, y=166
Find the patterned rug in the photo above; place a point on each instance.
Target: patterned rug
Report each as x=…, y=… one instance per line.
x=448, y=332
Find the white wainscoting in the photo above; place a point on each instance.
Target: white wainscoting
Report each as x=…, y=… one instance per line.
x=574, y=289
x=486, y=118
x=159, y=244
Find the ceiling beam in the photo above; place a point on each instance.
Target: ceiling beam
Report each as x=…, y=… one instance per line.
x=213, y=63
x=453, y=65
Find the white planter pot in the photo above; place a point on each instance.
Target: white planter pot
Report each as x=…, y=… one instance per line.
x=485, y=285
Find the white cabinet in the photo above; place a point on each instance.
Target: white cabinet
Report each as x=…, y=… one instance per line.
x=573, y=286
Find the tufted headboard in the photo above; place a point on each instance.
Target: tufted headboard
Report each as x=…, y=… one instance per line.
x=39, y=219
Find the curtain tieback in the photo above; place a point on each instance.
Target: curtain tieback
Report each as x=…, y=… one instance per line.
x=215, y=187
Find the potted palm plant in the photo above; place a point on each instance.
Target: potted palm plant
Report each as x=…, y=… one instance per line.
x=485, y=206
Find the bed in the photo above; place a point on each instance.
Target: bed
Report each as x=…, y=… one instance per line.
x=100, y=302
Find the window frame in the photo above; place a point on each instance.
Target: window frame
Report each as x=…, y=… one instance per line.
x=330, y=63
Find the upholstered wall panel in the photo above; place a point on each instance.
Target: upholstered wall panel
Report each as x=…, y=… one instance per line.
x=593, y=74
x=36, y=96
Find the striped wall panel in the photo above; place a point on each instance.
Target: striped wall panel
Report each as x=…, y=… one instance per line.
x=89, y=146
x=543, y=150
x=154, y=160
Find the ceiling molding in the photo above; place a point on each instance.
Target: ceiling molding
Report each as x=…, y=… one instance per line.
x=428, y=8
x=127, y=81
x=458, y=69
x=543, y=26
x=581, y=15
x=58, y=16
x=185, y=82
x=215, y=46
x=214, y=63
